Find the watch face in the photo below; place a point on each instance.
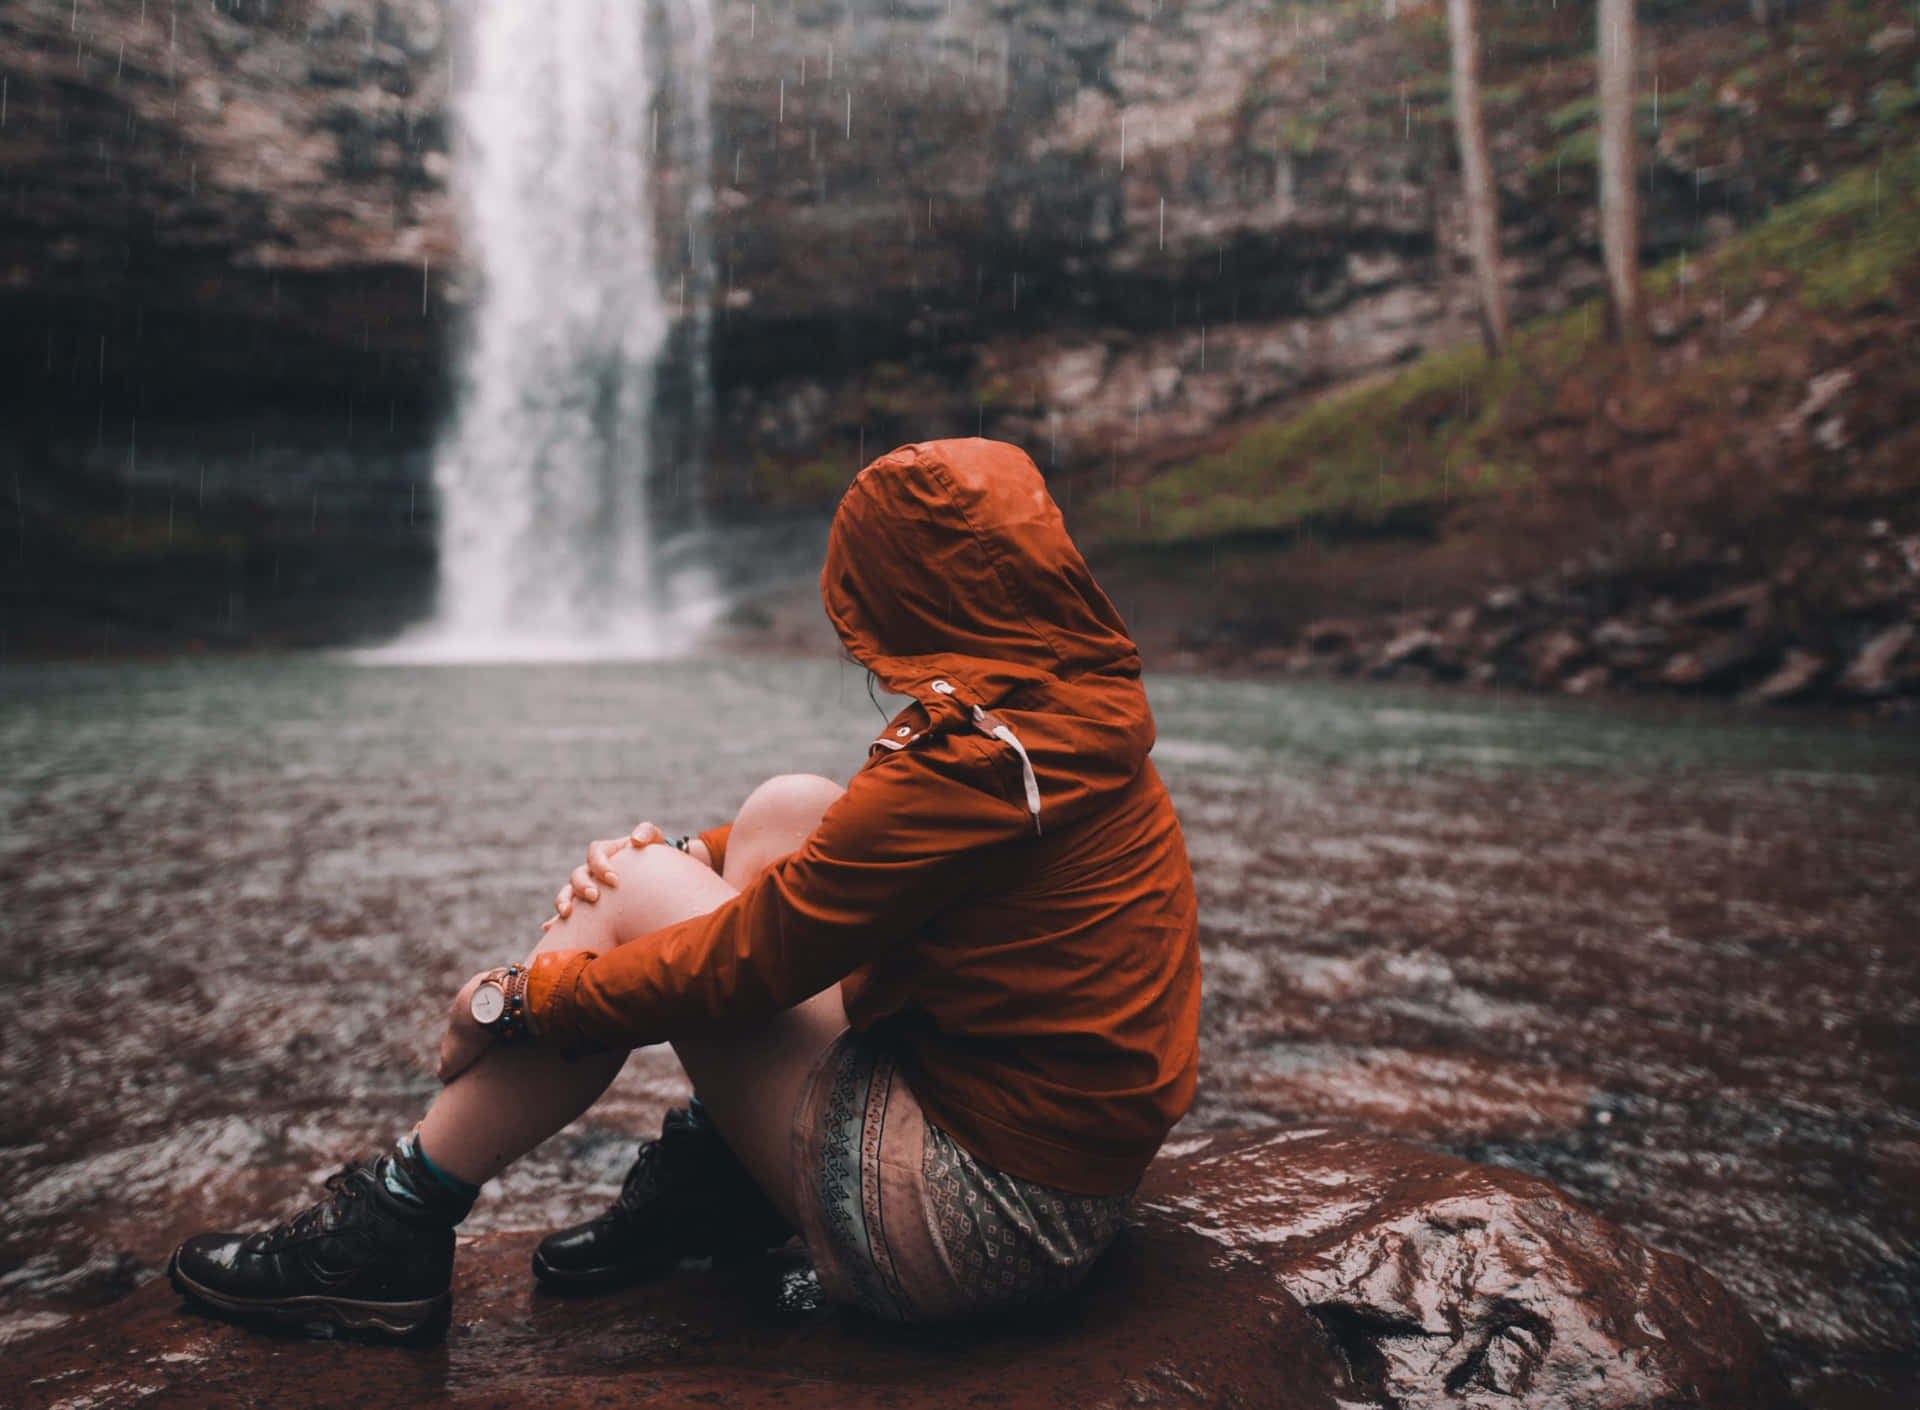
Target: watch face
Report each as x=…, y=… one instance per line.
x=489, y=1002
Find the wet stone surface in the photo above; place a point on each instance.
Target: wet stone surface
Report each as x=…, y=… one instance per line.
x=1662, y=960
x=1302, y=1267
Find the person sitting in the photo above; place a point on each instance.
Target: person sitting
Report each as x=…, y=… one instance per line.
x=937, y=1021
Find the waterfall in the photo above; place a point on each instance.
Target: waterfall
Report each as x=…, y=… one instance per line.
x=550, y=544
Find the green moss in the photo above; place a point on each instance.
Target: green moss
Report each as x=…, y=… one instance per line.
x=1301, y=134
x=1361, y=455
x=1579, y=149
x=1440, y=429
x=1846, y=243
x=1579, y=113
x=1890, y=101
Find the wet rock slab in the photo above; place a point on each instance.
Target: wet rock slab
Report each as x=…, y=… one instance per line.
x=1295, y=1267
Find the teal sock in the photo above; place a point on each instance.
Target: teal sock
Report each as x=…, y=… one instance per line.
x=411, y=1175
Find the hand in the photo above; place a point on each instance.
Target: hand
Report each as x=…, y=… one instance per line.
x=585, y=882
x=465, y=1040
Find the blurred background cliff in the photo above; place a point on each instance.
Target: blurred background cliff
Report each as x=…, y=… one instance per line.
x=1210, y=263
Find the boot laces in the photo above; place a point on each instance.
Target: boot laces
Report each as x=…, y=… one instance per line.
x=642, y=1182
x=341, y=1189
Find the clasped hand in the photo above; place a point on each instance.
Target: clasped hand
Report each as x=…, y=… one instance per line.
x=586, y=879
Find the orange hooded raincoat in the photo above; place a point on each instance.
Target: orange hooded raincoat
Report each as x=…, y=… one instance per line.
x=1002, y=892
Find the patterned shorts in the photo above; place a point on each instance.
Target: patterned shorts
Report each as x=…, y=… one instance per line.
x=903, y=1222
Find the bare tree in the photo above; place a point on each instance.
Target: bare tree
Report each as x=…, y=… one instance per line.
x=1483, y=213
x=1619, y=198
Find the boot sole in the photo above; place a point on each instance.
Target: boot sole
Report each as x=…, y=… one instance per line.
x=422, y=1320
x=605, y=1278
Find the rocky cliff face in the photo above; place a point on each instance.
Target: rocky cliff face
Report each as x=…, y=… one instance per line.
x=1096, y=232
x=225, y=246
x=213, y=204
x=230, y=270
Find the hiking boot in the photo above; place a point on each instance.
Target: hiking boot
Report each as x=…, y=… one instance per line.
x=361, y=1261
x=686, y=1196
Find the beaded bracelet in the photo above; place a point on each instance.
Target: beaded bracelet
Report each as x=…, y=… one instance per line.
x=513, y=1023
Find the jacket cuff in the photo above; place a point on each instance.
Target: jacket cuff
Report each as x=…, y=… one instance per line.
x=552, y=1009
x=716, y=841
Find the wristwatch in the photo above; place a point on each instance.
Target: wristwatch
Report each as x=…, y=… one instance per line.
x=499, y=1005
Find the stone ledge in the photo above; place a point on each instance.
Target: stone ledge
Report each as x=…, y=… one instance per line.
x=1297, y=1267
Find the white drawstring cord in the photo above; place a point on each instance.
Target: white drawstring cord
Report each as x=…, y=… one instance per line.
x=1005, y=732
x=1026, y=765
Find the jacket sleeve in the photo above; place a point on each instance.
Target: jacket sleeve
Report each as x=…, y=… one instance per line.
x=716, y=841
x=894, y=850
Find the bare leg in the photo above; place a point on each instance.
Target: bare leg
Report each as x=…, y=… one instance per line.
x=514, y=1098
x=750, y=1083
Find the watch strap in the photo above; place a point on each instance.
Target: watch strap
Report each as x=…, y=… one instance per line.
x=511, y=1026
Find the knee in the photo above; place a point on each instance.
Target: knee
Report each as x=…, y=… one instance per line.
x=777, y=817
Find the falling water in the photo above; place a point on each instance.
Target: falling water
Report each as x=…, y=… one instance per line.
x=550, y=545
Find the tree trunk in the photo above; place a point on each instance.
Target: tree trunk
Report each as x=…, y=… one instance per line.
x=1483, y=212
x=1619, y=198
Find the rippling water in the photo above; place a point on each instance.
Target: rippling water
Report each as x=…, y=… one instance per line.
x=1668, y=961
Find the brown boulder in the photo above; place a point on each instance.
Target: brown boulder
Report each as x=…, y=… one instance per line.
x=1871, y=672
x=1323, y=638
x=1717, y=661
x=1414, y=647
x=1797, y=674
x=1746, y=604
x=1302, y=1266
x=1554, y=654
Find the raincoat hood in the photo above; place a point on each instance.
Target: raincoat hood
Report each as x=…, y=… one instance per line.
x=950, y=575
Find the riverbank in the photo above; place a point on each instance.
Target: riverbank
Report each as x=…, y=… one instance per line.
x=1742, y=522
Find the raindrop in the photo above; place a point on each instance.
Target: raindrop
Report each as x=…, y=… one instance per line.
x=3, y=100
x=1123, y=141
x=753, y=19
x=849, y=114
x=782, y=111
x=1163, y=222
x=426, y=267
x=653, y=117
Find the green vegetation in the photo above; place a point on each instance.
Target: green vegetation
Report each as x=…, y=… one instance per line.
x=1360, y=454
x=1444, y=428
x=1846, y=245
